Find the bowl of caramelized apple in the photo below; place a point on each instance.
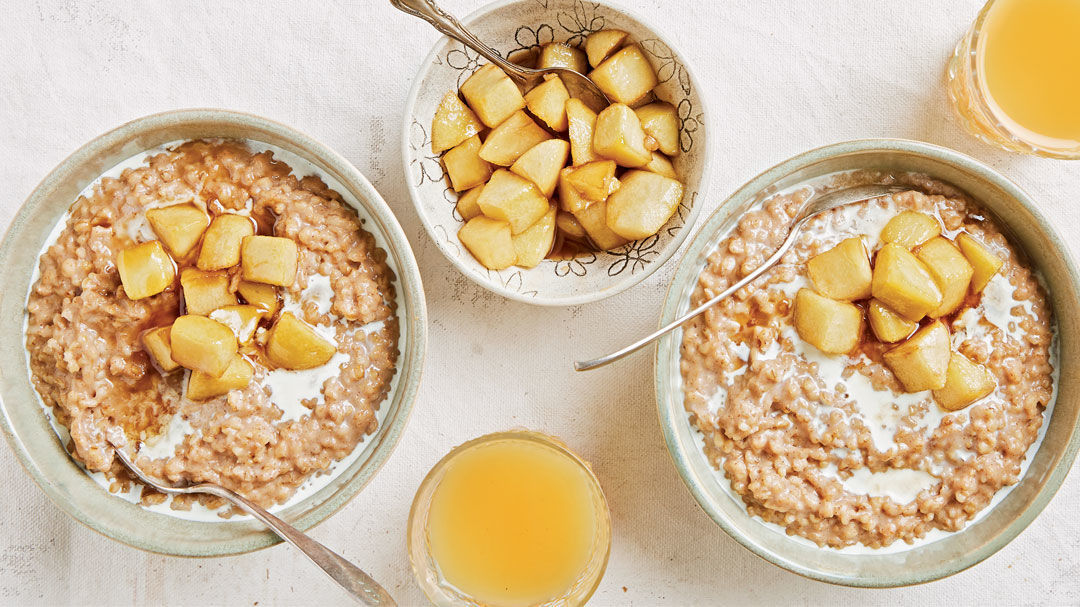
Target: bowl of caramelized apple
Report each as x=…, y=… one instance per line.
x=543, y=197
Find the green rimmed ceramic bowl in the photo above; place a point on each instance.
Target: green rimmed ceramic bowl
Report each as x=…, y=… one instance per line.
x=21, y=417
x=1028, y=228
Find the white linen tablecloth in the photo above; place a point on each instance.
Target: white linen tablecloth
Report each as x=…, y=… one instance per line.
x=780, y=77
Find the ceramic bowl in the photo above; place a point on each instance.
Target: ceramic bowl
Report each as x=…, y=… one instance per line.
x=1028, y=229
x=519, y=26
x=24, y=423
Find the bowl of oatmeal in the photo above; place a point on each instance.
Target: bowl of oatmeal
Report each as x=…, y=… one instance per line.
x=506, y=138
x=225, y=299
x=892, y=402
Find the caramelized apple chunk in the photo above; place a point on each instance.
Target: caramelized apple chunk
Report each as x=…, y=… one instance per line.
x=602, y=44
x=548, y=102
x=950, y=270
x=221, y=243
x=965, y=383
x=202, y=386
x=205, y=292
x=643, y=203
x=157, y=345
x=145, y=269
x=513, y=199
x=625, y=77
x=490, y=242
x=594, y=219
x=903, y=283
x=557, y=54
x=492, y=95
x=984, y=263
x=570, y=226
x=581, y=123
x=660, y=121
x=887, y=325
x=241, y=319
x=201, y=344
x=512, y=138
x=466, y=203
x=594, y=181
x=293, y=344
x=661, y=164
x=832, y=326
x=619, y=136
x=842, y=272
x=465, y=166
x=910, y=229
x=454, y=122
x=262, y=296
x=269, y=259
x=179, y=227
x=533, y=245
x=542, y=163
x=921, y=362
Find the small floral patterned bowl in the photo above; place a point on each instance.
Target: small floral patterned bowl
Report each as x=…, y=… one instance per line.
x=521, y=25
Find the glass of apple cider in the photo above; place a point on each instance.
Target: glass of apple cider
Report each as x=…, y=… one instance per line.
x=1014, y=79
x=510, y=519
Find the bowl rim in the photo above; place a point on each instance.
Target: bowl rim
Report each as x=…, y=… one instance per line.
x=540, y=299
x=410, y=361
x=669, y=417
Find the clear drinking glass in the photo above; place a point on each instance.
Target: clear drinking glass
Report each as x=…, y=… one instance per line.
x=976, y=108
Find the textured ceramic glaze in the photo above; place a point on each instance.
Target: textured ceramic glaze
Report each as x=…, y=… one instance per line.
x=21, y=416
x=520, y=26
x=1028, y=228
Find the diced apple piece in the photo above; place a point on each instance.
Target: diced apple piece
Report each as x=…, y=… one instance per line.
x=542, y=163
x=662, y=165
x=515, y=136
x=533, y=245
x=887, y=325
x=221, y=244
x=569, y=225
x=660, y=121
x=145, y=269
x=262, y=296
x=910, y=229
x=618, y=136
x=951, y=271
x=293, y=344
x=643, y=203
x=454, y=122
x=965, y=383
x=594, y=181
x=903, y=283
x=581, y=123
x=626, y=76
x=557, y=54
x=241, y=319
x=600, y=45
x=490, y=242
x=179, y=227
x=842, y=272
x=465, y=166
x=492, y=95
x=570, y=200
x=466, y=203
x=156, y=343
x=205, y=292
x=513, y=199
x=594, y=219
x=237, y=376
x=829, y=325
x=269, y=259
x=201, y=344
x=984, y=263
x=921, y=362
x=548, y=102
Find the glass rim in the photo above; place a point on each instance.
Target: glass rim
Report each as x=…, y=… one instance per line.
x=420, y=558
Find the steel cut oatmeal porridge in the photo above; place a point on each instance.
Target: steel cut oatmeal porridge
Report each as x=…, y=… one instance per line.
x=852, y=448
x=144, y=292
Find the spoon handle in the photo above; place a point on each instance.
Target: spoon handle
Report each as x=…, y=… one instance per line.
x=449, y=25
x=692, y=314
x=350, y=577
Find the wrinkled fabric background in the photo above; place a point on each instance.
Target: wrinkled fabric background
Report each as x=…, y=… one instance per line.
x=780, y=77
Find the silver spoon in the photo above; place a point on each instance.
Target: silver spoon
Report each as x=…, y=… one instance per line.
x=816, y=206
x=577, y=84
x=357, y=583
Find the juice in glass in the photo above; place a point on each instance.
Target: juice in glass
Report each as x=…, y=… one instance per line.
x=1015, y=77
x=510, y=519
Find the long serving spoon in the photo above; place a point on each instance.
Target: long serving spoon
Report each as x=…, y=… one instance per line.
x=816, y=206
x=357, y=583
x=578, y=85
